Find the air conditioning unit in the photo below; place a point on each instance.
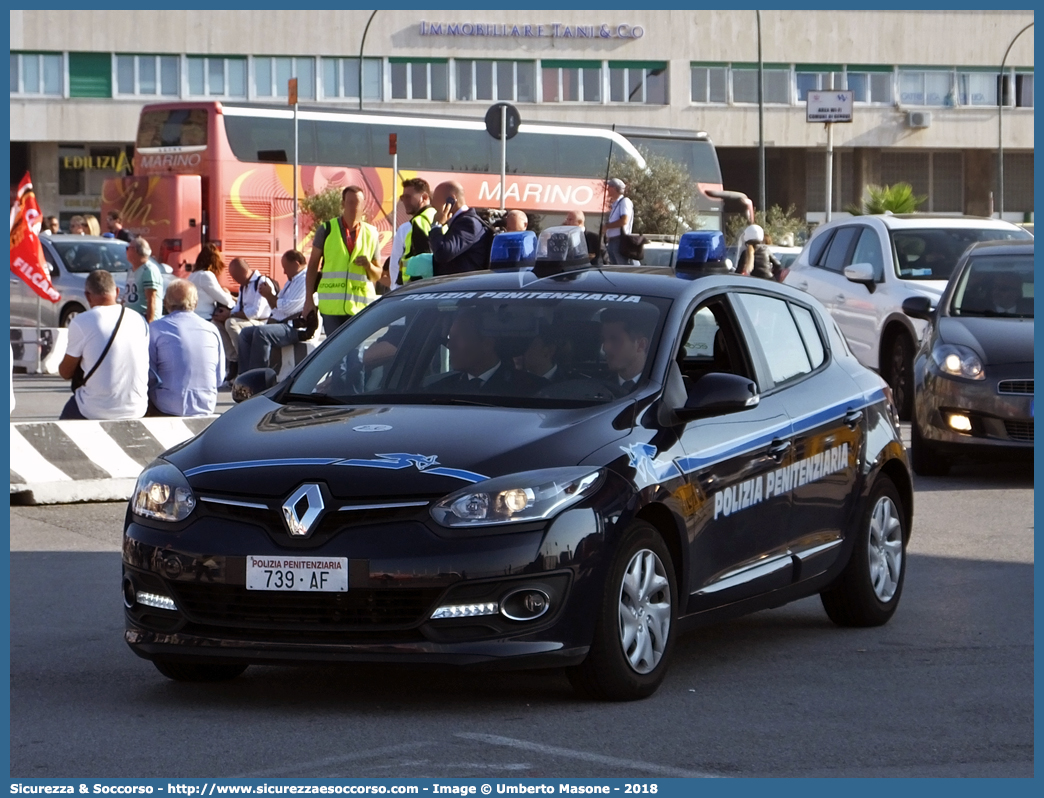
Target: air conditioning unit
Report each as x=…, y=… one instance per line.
x=918, y=119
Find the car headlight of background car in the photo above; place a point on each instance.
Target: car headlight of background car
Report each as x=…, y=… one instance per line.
x=517, y=498
x=958, y=361
x=162, y=493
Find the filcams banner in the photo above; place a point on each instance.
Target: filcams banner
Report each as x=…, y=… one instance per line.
x=27, y=258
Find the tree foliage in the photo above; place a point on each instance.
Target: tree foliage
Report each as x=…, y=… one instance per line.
x=664, y=195
x=322, y=206
x=897, y=198
x=779, y=225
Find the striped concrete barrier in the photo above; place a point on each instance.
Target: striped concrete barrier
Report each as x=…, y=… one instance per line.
x=59, y=462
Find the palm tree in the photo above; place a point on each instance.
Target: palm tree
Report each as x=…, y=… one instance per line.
x=897, y=198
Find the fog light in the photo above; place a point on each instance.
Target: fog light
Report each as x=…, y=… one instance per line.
x=128, y=593
x=465, y=610
x=959, y=422
x=157, y=601
x=526, y=604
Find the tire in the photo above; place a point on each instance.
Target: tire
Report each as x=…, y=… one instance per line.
x=70, y=312
x=867, y=592
x=925, y=458
x=898, y=373
x=628, y=662
x=198, y=671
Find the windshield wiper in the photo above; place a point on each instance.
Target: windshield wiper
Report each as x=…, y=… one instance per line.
x=453, y=400
x=314, y=399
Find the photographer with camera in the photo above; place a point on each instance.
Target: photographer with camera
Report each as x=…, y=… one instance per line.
x=286, y=326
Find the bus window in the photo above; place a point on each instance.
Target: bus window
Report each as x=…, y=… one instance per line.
x=339, y=144
x=583, y=156
x=408, y=143
x=528, y=154
x=254, y=139
x=181, y=127
x=456, y=150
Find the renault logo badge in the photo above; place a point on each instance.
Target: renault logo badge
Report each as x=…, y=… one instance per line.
x=302, y=509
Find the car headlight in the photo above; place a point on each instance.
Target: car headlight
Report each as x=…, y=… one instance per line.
x=527, y=496
x=958, y=361
x=162, y=493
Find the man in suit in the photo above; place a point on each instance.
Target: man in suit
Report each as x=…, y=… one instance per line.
x=459, y=241
x=480, y=369
x=626, y=334
x=1006, y=293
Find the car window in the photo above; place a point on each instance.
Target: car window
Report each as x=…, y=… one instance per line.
x=932, y=254
x=711, y=344
x=774, y=330
x=810, y=335
x=85, y=256
x=868, y=250
x=995, y=285
x=836, y=258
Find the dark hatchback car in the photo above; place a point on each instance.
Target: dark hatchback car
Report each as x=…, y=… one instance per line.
x=507, y=469
x=973, y=375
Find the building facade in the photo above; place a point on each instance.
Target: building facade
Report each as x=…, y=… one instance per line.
x=926, y=87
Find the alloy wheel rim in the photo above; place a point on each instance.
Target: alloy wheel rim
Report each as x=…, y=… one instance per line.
x=645, y=611
x=899, y=372
x=885, y=547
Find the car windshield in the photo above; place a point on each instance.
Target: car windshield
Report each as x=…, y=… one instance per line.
x=86, y=256
x=932, y=254
x=500, y=348
x=995, y=285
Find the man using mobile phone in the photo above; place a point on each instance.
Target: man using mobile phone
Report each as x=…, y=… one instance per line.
x=460, y=241
x=346, y=247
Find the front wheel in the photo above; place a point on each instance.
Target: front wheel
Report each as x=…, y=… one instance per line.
x=925, y=459
x=634, y=634
x=868, y=590
x=198, y=671
x=899, y=374
x=70, y=312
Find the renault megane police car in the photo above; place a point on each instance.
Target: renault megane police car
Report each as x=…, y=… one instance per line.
x=527, y=469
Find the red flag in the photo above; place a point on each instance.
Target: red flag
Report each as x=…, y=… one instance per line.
x=27, y=258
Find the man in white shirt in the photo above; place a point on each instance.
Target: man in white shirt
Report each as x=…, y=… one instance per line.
x=621, y=218
x=250, y=310
x=118, y=387
x=255, y=343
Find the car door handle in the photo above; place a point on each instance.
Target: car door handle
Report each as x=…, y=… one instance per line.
x=852, y=418
x=778, y=449
x=839, y=298
x=803, y=285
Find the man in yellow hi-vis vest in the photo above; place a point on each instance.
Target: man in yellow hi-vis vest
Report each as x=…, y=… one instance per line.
x=347, y=249
x=411, y=239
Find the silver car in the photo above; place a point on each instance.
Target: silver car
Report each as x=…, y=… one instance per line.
x=71, y=258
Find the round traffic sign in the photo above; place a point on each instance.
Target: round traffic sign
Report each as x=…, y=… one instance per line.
x=493, y=120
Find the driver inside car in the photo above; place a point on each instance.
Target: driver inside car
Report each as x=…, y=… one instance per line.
x=626, y=333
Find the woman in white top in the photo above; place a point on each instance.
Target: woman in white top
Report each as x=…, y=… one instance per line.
x=214, y=302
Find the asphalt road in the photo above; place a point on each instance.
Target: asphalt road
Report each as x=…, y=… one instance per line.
x=945, y=689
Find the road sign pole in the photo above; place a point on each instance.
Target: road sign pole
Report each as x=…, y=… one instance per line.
x=394, y=189
x=829, y=169
x=292, y=95
x=503, y=153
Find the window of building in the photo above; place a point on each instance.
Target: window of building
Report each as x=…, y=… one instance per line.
x=638, y=82
x=571, y=81
x=90, y=75
x=147, y=75
x=871, y=84
x=217, y=77
x=1018, y=182
x=341, y=78
x=710, y=83
x=1024, y=89
x=745, y=83
x=37, y=73
x=419, y=79
x=508, y=81
x=924, y=87
x=977, y=88
x=816, y=77
x=938, y=176
x=272, y=76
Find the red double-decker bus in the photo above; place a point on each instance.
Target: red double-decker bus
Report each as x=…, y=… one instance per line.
x=223, y=172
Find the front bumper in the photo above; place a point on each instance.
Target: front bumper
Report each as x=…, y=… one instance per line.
x=1002, y=422
x=398, y=574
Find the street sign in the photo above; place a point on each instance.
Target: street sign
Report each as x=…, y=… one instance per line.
x=493, y=120
x=829, y=106
x=291, y=90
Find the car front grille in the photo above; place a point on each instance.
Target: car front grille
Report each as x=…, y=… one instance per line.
x=234, y=605
x=1019, y=430
x=1015, y=386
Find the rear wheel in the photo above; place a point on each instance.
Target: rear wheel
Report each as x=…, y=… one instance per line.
x=70, y=312
x=899, y=373
x=868, y=590
x=924, y=457
x=635, y=628
x=198, y=671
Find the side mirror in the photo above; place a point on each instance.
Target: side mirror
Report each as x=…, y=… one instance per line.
x=860, y=273
x=716, y=394
x=918, y=307
x=252, y=382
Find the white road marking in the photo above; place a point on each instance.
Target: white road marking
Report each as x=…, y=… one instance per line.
x=568, y=753
x=29, y=464
x=168, y=431
x=312, y=767
x=100, y=449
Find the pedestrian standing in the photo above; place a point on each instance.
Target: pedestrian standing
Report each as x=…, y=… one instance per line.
x=144, y=282
x=621, y=218
x=114, y=221
x=93, y=225
x=412, y=237
x=515, y=222
x=757, y=259
x=460, y=241
x=343, y=265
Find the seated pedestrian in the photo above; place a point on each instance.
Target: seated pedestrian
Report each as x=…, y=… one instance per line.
x=251, y=308
x=110, y=344
x=756, y=259
x=214, y=300
x=255, y=343
x=186, y=357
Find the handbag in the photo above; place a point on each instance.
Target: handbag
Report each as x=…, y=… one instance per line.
x=78, y=377
x=632, y=246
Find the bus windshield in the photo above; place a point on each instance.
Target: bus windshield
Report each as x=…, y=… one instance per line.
x=179, y=127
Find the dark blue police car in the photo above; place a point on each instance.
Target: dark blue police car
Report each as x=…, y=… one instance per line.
x=533, y=468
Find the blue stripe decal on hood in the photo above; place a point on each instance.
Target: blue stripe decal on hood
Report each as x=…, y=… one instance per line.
x=300, y=461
